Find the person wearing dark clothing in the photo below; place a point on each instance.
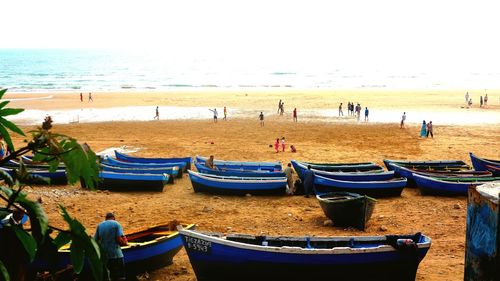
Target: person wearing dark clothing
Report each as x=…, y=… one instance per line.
x=429, y=129
x=308, y=181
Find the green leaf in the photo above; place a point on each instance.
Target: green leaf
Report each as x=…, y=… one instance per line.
x=93, y=252
x=6, y=177
x=6, y=136
x=10, y=111
x=3, y=270
x=62, y=239
x=38, y=219
x=27, y=240
x=7, y=191
x=77, y=255
x=2, y=92
x=4, y=103
x=11, y=126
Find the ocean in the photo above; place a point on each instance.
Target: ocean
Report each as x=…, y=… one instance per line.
x=52, y=70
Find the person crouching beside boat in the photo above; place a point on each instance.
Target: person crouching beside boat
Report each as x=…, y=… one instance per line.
x=210, y=162
x=109, y=235
x=289, y=179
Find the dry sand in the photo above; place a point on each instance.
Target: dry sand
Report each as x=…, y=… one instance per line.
x=442, y=218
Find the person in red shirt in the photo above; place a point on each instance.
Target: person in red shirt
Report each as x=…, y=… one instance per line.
x=277, y=145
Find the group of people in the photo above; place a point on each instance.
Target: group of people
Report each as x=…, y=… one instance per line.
x=277, y=145
x=354, y=110
x=90, y=97
x=426, y=130
x=482, y=101
x=281, y=107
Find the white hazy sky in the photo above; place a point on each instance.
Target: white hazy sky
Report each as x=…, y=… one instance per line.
x=441, y=34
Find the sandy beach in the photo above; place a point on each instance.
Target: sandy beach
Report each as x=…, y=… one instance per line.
x=241, y=138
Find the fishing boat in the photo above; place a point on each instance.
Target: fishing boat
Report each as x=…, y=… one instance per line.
x=236, y=185
x=392, y=187
x=256, y=166
x=133, y=159
x=138, y=182
x=356, y=176
x=148, y=249
x=482, y=164
x=115, y=162
x=42, y=176
x=218, y=257
x=228, y=172
x=174, y=172
x=368, y=167
x=449, y=186
x=436, y=164
x=347, y=209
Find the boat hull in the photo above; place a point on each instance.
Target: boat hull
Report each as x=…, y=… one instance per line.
x=442, y=164
x=133, y=159
x=300, y=167
x=132, y=182
x=56, y=178
x=256, y=166
x=114, y=162
x=174, y=172
x=349, y=209
x=371, y=188
x=481, y=164
x=237, y=173
x=437, y=186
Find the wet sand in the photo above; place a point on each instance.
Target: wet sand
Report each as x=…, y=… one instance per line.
x=442, y=218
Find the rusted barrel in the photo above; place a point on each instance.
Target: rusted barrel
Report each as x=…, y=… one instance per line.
x=482, y=256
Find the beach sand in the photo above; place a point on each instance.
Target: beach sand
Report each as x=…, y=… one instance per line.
x=441, y=218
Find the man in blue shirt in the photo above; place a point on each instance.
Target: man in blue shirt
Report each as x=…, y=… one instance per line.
x=109, y=235
x=308, y=181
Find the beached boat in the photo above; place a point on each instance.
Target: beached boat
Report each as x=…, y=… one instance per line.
x=436, y=164
x=356, y=176
x=137, y=182
x=368, y=167
x=215, y=257
x=392, y=187
x=148, y=249
x=482, y=164
x=115, y=162
x=220, y=171
x=347, y=209
x=174, y=172
x=57, y=177
x=449, y=186
x=236, y=185
x=256, y=166
x=133, y=159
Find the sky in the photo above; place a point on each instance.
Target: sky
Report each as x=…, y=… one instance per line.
x=443, y=35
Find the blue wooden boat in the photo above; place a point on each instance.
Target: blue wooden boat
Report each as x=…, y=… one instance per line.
x=346, y=208
x=57, y=177
x=392, y=187
x=481, y=164
x=449, y=186
x=114, y=162
x=174, y=172
x=133, y=159
x=260, y=166
x=376, y=175
x=443, y=164
x=221, y=171
x=129, y=182
x=148, y=249
x=367, y=167
x=215, y=257
x=236, y=185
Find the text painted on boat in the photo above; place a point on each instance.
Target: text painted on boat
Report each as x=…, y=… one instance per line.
x=198, y=245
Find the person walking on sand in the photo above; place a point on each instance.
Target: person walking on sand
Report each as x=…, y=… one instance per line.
x=341, y=113
x=283, y=144
x=423, y=130
x=277, y=145
x=81, y=97
x=157, y=116
x=282, y=108
x=308, y=181
x=485, y=100
x=481, y=101
x=261, y=118
x=90, y=97
x=295, y=114
x=279, y=107
x=225, y=113
x=366, y=114
x=289, y=179
x=429, y=129
x=109, y=234
x=467, y=98
x=403, y=118
x=215, y=114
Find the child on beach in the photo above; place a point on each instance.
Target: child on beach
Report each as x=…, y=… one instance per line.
x=277, y=145
x=283, y=145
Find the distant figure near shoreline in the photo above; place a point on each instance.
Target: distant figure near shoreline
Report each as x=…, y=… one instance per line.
x=81, y=97
x=366, y=114
x=341, y=113
x=261, y=118
x=90, y=97
x=403, y=118
x=225, y=113
x=423, y=129
x=215, y=114
x=295, y=114
x=157, y=116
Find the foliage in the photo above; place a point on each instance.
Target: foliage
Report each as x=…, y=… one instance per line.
x=57, y=150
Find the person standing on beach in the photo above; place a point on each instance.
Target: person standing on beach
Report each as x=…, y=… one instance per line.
x=261, y=118
x=366, y=114
x=358, y=111
x=289, y=178
x=467, y=98
x=81, y=97
x=429, y=129
x=90, y=97
x=295, y=114
x=341, y=113
x=283, y=144
x=403, y=118
x=485, y=100
x=109, y=235
x=157, y=116
x=481, y=101
x=308, y=181
x=282, y=108
x=279, y=107
x=277, y=145
x=215, y=114
x=423, y=130
x=225, y=113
